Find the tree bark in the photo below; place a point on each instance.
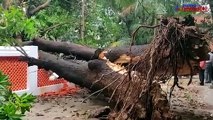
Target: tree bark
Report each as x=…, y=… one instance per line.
x=82, y=25
x=80, y=51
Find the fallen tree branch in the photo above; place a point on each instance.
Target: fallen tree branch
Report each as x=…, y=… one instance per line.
x=37, y=9
x=53, y=27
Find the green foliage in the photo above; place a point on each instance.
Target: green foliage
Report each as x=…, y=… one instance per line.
x=13, y=22
x=105, y=23
x=121, y=3
x=147, y=12
x=55, y=22
x=12, y=106
x=102, y=26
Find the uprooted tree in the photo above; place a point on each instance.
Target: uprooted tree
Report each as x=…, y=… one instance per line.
x=133, y=90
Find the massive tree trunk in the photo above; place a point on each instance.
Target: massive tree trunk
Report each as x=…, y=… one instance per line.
x=107, y=78
x=82, y=52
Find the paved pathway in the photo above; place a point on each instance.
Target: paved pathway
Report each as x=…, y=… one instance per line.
x=207, y=94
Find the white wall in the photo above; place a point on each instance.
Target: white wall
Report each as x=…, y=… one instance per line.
x=32, y=75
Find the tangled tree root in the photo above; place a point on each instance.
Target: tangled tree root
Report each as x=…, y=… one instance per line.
x=171, y=50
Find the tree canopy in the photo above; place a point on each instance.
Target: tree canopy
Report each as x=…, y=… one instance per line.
x=93, y=23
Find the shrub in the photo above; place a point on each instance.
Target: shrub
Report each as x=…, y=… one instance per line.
x=12, y=106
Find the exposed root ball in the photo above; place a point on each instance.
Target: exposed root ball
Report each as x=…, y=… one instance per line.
x=172, y=49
